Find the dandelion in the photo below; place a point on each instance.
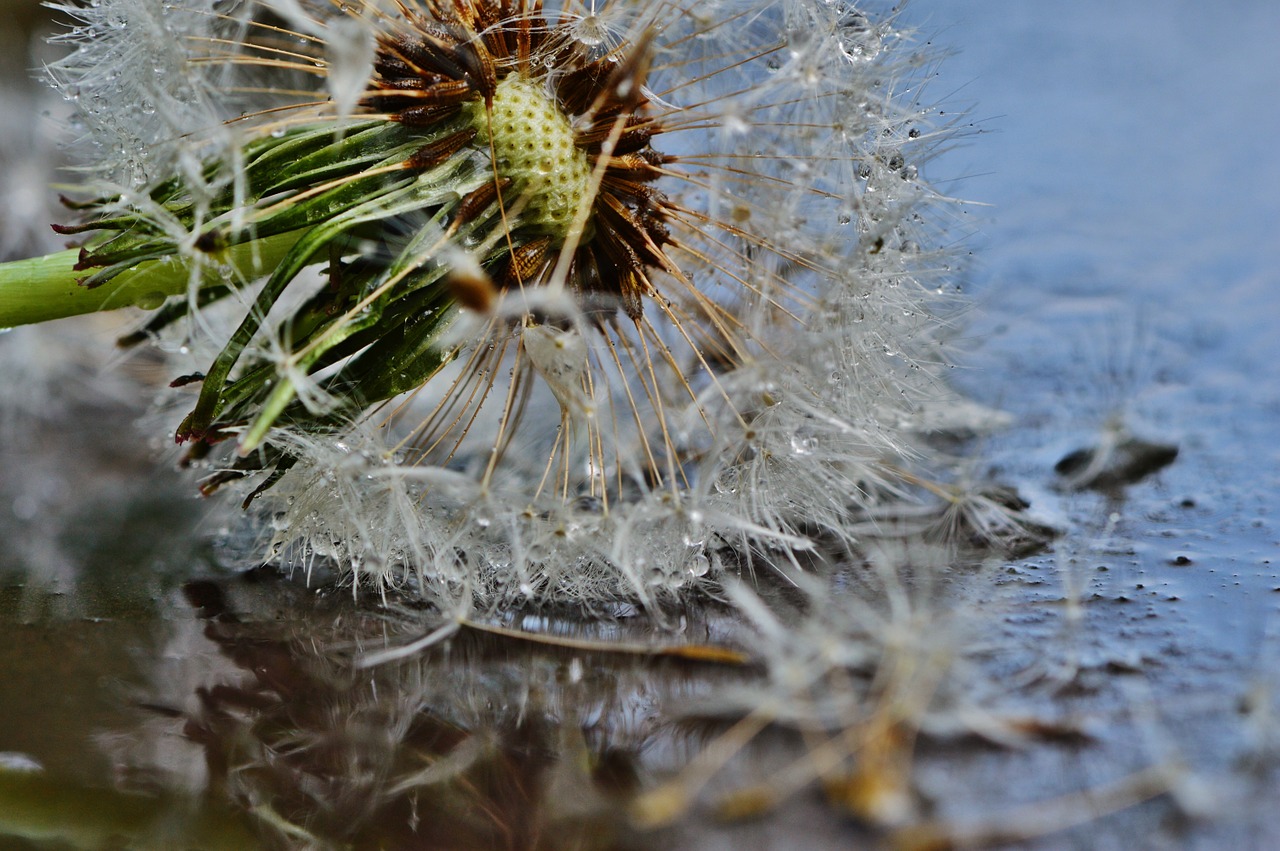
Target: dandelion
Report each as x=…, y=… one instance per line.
x=571, y=302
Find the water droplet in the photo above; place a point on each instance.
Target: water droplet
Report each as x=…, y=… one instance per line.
x=859, y=40
x=803, y=445
x=150, y=301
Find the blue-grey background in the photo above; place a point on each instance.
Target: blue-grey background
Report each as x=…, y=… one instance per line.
x=1129, y=154
x=1128, y=267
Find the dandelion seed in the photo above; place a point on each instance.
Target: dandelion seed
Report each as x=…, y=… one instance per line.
x=603, y=296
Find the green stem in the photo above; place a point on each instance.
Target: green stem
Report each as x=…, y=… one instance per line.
x=45, y=288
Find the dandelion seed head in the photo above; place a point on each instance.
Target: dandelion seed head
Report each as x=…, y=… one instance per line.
x=608, y=297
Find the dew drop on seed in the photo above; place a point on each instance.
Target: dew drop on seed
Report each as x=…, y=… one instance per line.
x=803, y=445
x=859, y=40
x=590, y=31
x=699, y=565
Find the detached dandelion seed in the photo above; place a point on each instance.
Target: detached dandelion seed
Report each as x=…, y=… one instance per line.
x=564, y=302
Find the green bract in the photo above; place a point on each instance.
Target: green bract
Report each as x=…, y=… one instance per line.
x=351, y=200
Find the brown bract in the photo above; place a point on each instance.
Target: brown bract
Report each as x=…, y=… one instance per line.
x=454, y=55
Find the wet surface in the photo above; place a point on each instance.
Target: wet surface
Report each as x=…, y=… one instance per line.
x=1117, y=690
x=1129, y=288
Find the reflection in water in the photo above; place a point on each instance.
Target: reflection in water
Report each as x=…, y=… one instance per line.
x=500, y=738
x=487, y=740
x=480, y=743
